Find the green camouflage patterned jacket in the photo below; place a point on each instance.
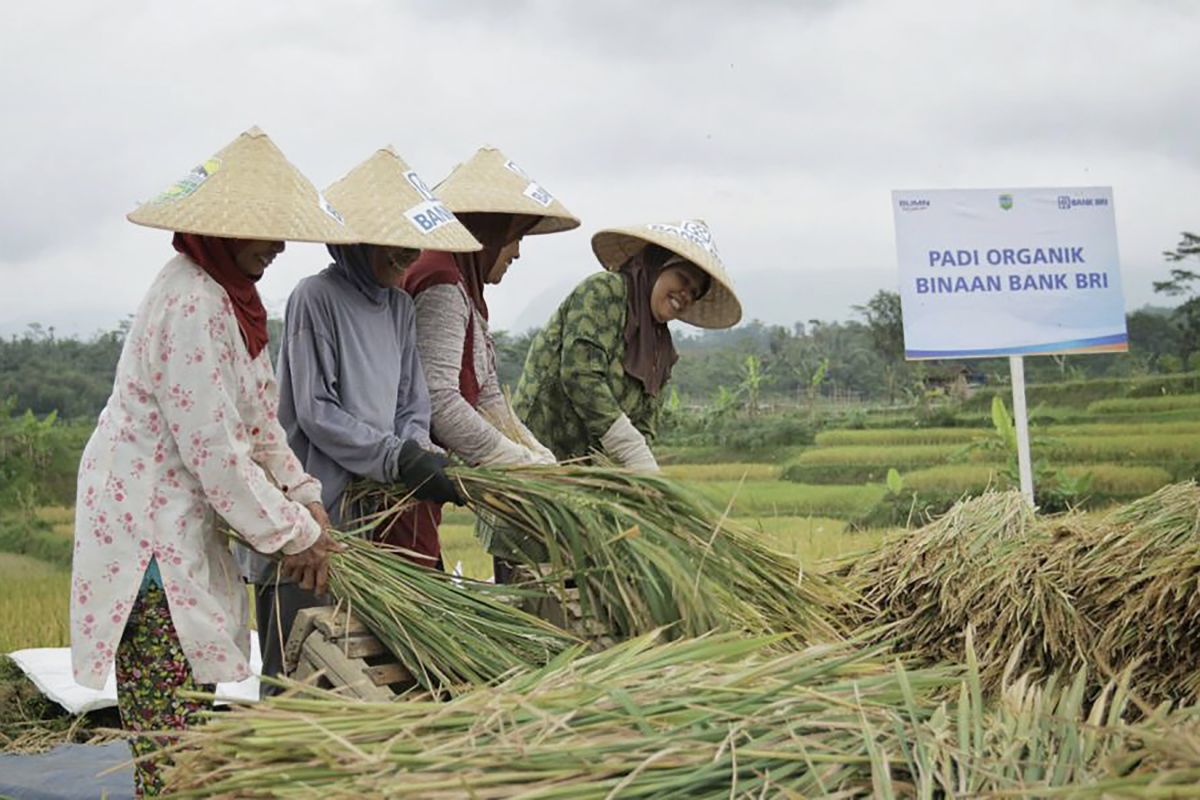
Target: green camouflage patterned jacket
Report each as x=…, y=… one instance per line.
x=574, y=385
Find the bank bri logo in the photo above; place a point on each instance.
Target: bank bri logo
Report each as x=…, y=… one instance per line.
x=1006, y=201
x=1064, y=202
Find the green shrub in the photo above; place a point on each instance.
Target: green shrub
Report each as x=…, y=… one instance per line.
x=1079, y=394
x=30, y=535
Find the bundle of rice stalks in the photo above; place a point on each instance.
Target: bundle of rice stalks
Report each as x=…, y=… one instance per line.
x=705, y=718
x=646, y=553
x=986, y=563
x=1117, y=592
x=1139, y=582
x=712, y=717
x=446, y=632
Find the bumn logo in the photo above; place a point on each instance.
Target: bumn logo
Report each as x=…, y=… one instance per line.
x=1006, y=201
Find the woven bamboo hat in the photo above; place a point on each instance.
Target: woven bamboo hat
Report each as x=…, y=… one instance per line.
x=387, y=203
x=691, y=239
x=490, y=182
x=249, y=190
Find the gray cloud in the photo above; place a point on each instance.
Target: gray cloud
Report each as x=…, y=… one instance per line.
x=784, y=124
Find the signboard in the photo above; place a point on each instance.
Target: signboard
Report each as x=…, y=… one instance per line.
x=1008, y=272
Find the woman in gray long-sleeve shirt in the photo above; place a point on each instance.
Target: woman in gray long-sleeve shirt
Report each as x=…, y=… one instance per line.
x=499, y=204
x=353, y=399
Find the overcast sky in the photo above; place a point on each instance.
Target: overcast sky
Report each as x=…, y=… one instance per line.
x=784, y=124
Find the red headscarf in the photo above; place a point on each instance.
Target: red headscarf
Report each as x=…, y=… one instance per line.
x=493, y=231
x=217, y=256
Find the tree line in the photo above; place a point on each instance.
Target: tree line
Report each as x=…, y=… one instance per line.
x=755, y=363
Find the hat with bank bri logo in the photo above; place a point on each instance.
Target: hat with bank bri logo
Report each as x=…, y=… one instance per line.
x=387, y=203
x=492, y=183
x=690, y=239
x=248, y=190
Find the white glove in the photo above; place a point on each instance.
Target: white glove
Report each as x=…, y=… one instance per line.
x=544, y=454
x=626, y=445
x=509, y=453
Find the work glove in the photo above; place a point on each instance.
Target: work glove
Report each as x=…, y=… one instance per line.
x=626, y=445
x=425, y=474
x=508, y=453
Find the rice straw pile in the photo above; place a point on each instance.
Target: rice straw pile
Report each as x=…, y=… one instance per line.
x=647, y=554
x=1116, y=592
x=715, y=717
x=446, y=632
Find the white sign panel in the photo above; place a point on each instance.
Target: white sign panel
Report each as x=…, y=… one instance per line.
x=1001, y=272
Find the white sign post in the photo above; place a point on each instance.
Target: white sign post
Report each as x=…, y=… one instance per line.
x=1009, y=272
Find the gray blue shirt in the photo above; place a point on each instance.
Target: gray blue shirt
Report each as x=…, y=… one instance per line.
x=351, y=388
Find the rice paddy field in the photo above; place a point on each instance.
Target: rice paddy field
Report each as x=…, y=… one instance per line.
x=1030, y=663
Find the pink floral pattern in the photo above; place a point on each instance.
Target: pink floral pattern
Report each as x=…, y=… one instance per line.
x=188, y=433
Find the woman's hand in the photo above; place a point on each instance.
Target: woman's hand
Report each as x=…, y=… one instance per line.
x=310, y=568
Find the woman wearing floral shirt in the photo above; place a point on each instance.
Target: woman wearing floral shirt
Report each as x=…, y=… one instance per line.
x=594, y=377
x=189, y=434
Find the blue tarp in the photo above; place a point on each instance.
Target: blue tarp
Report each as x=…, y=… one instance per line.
x=68, y=772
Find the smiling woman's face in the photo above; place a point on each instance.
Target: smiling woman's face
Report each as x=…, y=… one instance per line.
x=676, y=288
x=256, y=255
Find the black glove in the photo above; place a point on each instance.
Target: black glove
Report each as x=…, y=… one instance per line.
x=425, y=474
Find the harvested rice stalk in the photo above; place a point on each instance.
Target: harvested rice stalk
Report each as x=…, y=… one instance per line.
x=446, y=632
x=711, y=717
x=647, y=553
x=1116, y=593
x=714, y=717
x=984, y=563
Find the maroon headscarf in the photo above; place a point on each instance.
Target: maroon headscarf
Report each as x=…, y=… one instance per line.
x=493, y=231
x=217, y=256
x=649, y=352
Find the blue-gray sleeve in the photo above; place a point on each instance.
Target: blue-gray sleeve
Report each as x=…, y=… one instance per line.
x=412, y=399
x=357, y=446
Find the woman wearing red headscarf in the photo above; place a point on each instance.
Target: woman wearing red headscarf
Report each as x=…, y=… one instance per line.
x=188, y=435
x=499, y=204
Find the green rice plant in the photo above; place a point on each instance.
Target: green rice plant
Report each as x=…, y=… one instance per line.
x=885, y=437
x=1138, y=428
x=1108, y=481
x=668, y=455
x=644, y=552
x=784, y=498
x=956, y=479
x=1145, y=449
x=445, y=632
x=722, y=472
x=1136, y=405
x=898, y=456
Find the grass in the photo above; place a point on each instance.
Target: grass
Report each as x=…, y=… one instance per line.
x=33, y=603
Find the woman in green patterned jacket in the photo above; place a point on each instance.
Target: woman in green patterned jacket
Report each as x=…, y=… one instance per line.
x=594, y=377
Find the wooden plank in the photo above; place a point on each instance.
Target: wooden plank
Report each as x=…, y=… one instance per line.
x=384, y=674
x=301, y=628
x=362, y=645
x=336, y=623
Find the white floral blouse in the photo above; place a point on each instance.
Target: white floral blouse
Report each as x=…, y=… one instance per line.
x=190, y=431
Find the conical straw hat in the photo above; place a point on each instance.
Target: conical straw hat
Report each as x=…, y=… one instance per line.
x=691, y=239
x=491, y=182
x=387, y=203
x=249, y=190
